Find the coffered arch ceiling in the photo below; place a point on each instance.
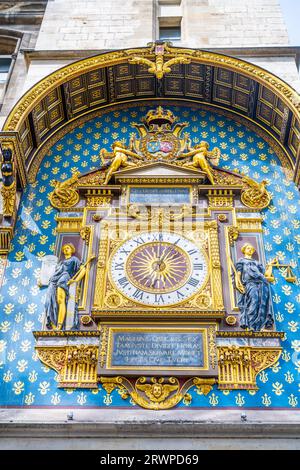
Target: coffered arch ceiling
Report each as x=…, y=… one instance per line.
x=107, y=79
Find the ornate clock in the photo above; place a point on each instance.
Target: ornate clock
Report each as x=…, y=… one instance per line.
x=158, y=268
x=164, y=270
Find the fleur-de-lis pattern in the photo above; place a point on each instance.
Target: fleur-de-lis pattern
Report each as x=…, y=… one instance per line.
x=25, y=381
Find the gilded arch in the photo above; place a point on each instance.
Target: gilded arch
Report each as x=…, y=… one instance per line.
x=73, y=92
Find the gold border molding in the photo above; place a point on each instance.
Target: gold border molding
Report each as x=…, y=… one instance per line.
x=25, y=105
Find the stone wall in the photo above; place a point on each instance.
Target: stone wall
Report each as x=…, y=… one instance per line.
x=221, y=23
x=90, y=24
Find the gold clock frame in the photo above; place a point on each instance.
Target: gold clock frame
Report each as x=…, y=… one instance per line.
x=207, y=302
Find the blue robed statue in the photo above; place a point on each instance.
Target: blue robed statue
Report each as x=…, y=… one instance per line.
x=254, y=300
x=67, y=271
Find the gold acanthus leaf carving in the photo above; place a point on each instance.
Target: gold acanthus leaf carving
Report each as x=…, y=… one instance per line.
x=52, y=357
x=264, y=358
x=8, y=194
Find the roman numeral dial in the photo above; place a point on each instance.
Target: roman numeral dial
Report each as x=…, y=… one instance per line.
x=158, y=268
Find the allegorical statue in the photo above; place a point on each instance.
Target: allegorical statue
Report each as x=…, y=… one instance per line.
x=201, y=155
x=119, y=158
x=8, y=188
x=251, y=280
x=67, y=271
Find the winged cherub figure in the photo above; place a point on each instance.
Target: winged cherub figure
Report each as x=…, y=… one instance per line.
x=157, y=392
x=201, y=155
x=119, y=158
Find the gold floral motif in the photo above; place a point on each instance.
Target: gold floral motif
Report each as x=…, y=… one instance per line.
x=65, y=194
x=212, y=346
x=203, y=300
x=82, y=355
x=86, y=320
x=85, y=234
x=233, y=234
x=113, y=300
x=52, y=357
x=231, y=320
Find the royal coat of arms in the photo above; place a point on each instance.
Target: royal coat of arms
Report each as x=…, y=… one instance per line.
x=160, y=139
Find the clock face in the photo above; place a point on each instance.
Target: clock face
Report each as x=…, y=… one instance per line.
x=158, y=268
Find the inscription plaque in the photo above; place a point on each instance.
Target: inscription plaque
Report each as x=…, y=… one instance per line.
x=157, y=349
x=187, y=349
x=156, y=195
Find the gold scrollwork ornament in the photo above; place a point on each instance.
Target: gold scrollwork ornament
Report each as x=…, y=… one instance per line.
x=254, y=194
x=8, y=194
x=113, y=300
x=65, y=193
x=85, y=234
x=203, y=300
x=153, y=393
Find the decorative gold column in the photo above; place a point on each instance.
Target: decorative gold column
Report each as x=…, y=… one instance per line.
x=215, y=264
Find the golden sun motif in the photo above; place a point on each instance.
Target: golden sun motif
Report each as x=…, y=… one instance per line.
x=158, y=267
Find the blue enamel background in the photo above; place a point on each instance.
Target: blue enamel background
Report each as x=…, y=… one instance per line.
x=25, y=381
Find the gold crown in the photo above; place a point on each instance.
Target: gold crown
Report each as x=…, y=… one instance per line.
x=159, y=116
